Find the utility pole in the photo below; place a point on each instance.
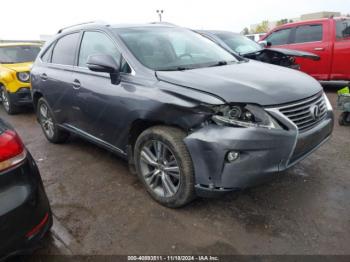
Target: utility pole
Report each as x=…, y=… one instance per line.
x=160, y=13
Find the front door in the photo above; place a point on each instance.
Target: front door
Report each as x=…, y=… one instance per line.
x=100, y=103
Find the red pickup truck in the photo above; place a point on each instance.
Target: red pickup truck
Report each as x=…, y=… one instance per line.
x=328, y=38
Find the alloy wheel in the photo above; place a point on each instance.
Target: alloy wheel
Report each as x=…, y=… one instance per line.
x=46, y=120
x=5, y=100
x=160, y=168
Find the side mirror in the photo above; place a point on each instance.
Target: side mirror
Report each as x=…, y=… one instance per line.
x=105, y=64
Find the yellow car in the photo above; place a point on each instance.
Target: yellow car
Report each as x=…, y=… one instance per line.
x=16, y=60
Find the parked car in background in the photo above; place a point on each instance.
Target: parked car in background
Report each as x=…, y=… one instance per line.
x=245, y=47
x=189, y=116
x=329, y=38
x=16, y=60
x=25, y=215
x=255, y=37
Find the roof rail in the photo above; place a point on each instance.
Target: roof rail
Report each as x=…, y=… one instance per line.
x=85, y=23
x=163, y=23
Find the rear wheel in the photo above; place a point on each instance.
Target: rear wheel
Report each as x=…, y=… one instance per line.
x=8, y=105
x=48, y=124
x=164, y=165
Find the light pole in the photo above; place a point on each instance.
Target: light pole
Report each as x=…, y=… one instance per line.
x=160, y=12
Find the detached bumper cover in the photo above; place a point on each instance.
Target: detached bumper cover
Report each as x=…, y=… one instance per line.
x=263, y=152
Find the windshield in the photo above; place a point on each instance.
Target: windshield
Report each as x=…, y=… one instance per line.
x=239, y=43
x=165, y=48
x=18, y=54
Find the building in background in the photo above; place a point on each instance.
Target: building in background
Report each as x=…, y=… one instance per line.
x=266, y=26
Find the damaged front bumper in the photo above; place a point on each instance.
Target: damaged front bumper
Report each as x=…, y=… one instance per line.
x=262, y=153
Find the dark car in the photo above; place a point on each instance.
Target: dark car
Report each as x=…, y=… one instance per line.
x=190, y=117
x=247, y=48
x=25, y=215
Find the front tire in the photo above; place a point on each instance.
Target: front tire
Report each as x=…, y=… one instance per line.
x=7, y=103
x=164, y=166
x=48, y=124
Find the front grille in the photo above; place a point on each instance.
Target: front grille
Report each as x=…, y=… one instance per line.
x=307, y=113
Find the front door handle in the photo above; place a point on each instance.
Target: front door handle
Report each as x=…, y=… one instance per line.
x=319, y=49
x=76, y=84
x=44, y=77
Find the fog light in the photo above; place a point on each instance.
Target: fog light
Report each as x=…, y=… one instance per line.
x=232, y=156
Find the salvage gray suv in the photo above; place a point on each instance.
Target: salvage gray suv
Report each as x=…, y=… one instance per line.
x=191, y=118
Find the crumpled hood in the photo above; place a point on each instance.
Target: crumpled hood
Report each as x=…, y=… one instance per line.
x=21, y=67
x=247, y=82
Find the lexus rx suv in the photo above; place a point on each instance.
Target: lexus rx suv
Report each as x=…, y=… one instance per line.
x=191, y=118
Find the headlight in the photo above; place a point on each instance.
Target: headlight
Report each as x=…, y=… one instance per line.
x=244, y=116
x=23, y=76
x=328, y=104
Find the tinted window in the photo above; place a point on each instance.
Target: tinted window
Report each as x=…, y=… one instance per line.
x=96, y=43
x=64, y=50
x=308, y=33
x=280, y=37
x=343, y=29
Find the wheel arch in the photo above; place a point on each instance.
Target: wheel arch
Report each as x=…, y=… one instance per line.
x=36, y=96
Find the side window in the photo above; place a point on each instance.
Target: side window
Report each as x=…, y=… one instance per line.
x=64, y=50
x=308, y=33
x=343, y=29
x=46, y=57
x=96, y=43
x=280, y=37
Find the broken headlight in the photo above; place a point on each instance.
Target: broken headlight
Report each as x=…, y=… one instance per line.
x=244, y=116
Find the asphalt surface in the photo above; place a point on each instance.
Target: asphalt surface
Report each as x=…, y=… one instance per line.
x=101, y=208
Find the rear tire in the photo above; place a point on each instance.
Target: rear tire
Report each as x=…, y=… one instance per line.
x=48, y=124
x=7, y=103
x=164, y=166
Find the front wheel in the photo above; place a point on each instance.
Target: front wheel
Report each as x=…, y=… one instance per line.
x=164, y=166
x=48, y=124
x=7, y=103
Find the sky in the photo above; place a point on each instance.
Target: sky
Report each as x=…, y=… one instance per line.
x=28, y=19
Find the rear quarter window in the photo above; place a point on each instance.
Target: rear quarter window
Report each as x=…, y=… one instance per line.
x=308, y=33
x=46, y=57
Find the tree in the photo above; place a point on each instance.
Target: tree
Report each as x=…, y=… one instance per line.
x=263, y=27
x=245, y=31
x=282, y=22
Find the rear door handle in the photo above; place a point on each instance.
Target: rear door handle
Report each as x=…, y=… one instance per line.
x=44, y=76
x=76, y=84
x=318, y=48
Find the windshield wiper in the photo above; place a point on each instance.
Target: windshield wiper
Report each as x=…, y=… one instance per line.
x=178, y=68
x=219, y=63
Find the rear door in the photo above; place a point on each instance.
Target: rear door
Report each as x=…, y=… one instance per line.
x=341, y=56
x=314, y=38
x=57, y=77
x=309, y=37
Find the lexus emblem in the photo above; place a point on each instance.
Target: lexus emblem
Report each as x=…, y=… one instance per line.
x=315, y=111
